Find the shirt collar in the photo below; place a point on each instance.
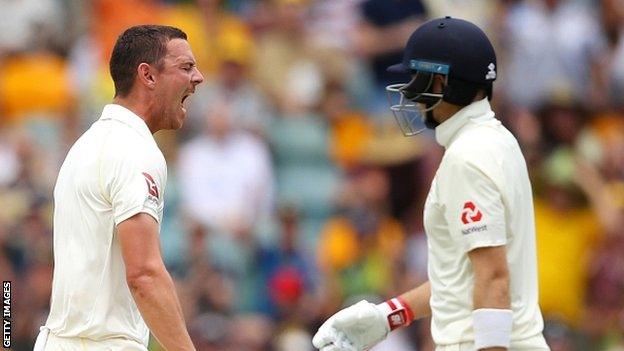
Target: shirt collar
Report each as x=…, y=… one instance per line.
x=124, y=115
x=477, y=111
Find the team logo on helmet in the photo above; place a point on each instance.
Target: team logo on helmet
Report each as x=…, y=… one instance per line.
x=470, y=213
x=491, y=73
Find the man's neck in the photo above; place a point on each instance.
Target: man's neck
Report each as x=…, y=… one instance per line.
x=446, y=110
x=139, y=107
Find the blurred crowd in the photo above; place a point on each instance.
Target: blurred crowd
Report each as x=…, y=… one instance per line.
x=291, y=193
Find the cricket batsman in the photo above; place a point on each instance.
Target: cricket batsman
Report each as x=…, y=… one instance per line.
x=110, y=285
x=478, y=216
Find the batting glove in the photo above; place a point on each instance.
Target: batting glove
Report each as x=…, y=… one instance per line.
x=362, y=326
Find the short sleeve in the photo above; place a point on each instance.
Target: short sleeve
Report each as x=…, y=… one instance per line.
x=134, y=186
x=474, y=208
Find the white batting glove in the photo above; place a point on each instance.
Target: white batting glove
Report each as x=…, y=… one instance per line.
x=361, y=326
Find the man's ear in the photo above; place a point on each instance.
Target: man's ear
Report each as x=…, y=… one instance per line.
x=145, y=75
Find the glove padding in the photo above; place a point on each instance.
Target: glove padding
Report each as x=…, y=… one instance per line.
x=355, y=328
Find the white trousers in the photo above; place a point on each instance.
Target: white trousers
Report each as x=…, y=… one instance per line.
x=536, y=343
x=47, y=341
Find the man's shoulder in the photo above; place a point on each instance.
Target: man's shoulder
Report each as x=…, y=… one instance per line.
x=123, y=134
x=124, y=146
x=472, y=146
x=485, y=148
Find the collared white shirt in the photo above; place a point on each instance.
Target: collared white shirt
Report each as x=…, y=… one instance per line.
x=226, y=181
x=113, y=171
x=480, y=196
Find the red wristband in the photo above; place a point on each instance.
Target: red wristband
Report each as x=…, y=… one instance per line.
x=400, y=314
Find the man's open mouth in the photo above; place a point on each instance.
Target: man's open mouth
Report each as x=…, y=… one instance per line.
x=184, y=98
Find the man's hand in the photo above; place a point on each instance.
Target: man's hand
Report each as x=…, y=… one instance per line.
x=355, y=328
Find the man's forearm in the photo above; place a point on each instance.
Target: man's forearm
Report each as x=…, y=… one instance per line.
x=491, y=300
x=159, y=305
x=491, y=292
x=418, y=300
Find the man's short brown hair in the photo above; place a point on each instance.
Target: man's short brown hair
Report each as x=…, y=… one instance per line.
x=136, y=45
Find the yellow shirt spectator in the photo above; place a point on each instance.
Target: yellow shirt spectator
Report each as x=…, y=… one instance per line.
x=564, y=244
x=215, y=35
x=349, y=137
x=365, y=264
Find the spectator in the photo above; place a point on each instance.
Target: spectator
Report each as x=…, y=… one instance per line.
x=384, y=29
x=567, y=235
x=553, y=48
x=284, y=272
x=357, y=247
x=232, y=85
x=213, y=28
x=289, y=67
x=226, y=187
x=28, y=23
x=225, y=176
x=351, y=132
x=612, y=12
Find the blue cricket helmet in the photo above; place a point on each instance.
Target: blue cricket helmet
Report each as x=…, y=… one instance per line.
x=452, y=47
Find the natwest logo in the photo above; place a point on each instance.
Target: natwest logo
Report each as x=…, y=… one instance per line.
x=152, y=188
x=470, y=213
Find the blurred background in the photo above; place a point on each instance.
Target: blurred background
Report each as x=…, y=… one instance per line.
x=291, y=192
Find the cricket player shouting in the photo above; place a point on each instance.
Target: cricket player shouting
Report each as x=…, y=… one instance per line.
x=482, y=288
x=110, y=283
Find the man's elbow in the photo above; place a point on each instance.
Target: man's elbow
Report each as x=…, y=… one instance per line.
x=501, y=282
x=499, y=274
x=141, y=280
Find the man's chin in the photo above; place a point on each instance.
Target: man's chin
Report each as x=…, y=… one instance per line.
x=181, y=120
x=178, y=121
x=430, y=122
x=177, y=124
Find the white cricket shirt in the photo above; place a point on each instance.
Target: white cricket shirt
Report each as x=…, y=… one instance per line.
x=480, y=196
x=113, y=171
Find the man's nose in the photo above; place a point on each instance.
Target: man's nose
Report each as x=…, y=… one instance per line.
x=198, y=77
